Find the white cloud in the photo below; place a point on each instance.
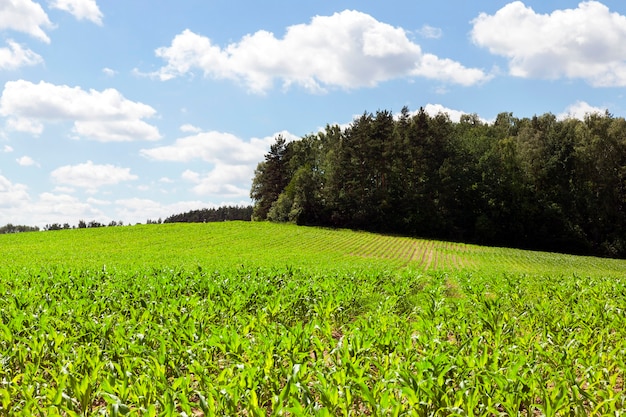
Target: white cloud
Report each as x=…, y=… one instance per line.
x=91, y=176
x=80, y=9
x=434, y=109
x=230, y=181
x=98, y=202
x=233, y=159
x=138, y=210
x=116, y=130
x=61, y=208
x=12, y=195
x=449, y=71
x=579, y=110
x=64, y=190
x=588, y=42
x=190, y=175
x=187, y=128
x=22, y=124
x=7, y=149
x=430, y=32
x=346, y=50
x=19, y=208
x=16, y=56
x=99, y=115
x=109, y=72
x=213, y=147
x=24, y=16
x=26, y=161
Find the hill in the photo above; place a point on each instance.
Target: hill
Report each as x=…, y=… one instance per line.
x=232, y=244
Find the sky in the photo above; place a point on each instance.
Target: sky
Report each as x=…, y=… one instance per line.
x=137, y=110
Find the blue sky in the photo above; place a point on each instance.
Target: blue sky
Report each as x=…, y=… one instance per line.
x=142, y=109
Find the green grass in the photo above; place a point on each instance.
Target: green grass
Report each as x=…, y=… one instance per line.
x=265, y=319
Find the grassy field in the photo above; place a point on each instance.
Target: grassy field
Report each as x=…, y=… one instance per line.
x=263, y=319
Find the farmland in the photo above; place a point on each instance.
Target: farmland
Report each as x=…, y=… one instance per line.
x=264, y=319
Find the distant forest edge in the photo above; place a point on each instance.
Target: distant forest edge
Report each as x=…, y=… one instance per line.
x=535, y=183
x=219, y=214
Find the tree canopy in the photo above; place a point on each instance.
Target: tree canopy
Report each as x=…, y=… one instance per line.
x=537, y=183
x=219, y=214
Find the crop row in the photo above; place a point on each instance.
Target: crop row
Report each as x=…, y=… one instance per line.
x=232, y=244
x=287, y=340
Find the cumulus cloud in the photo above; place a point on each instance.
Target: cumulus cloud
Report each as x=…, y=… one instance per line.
x=18, y=207
x=233, y=159
x=434, y=109
x=231, y=181
x=109, y=72
x=80, y=9
x=15, y=56
x=579, y=110
x=12, y=195
x=25, y=16
x=188, y=128
x=91, y=176
x=430, y=32
x=588, y=42
x=346, y=50
x=99, y=115
x=140, y=209
x=211, y=147
x=26, y=161
x=22, y=124
x=63, y=208
x=7, y=149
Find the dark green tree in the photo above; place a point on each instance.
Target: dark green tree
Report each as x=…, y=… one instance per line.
x=537, y=182
x=270, y=178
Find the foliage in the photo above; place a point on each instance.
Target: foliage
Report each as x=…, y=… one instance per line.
x=219, y=214
x=11, y=228
x=270, y=178
x=81, y=225
x=537, y=183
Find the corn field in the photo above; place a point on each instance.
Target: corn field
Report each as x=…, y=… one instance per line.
x=275, y=320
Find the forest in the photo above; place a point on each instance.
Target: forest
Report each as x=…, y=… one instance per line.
x=540, y=183
x=218, y=214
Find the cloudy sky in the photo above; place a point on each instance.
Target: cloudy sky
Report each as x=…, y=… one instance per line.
x=136, y=110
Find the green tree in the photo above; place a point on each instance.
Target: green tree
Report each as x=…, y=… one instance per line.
x=600, y=182
x=537, y=182
x=301, y=200
x=270, y=178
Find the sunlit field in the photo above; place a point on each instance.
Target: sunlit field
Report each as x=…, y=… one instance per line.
x=263, y=319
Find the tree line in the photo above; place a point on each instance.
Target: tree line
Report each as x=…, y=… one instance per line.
x=218, y=214
x=18, y=228
x=536, y=183
x=11, y=228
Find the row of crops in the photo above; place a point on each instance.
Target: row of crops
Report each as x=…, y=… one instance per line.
x=231, y=320
x=225, y=245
